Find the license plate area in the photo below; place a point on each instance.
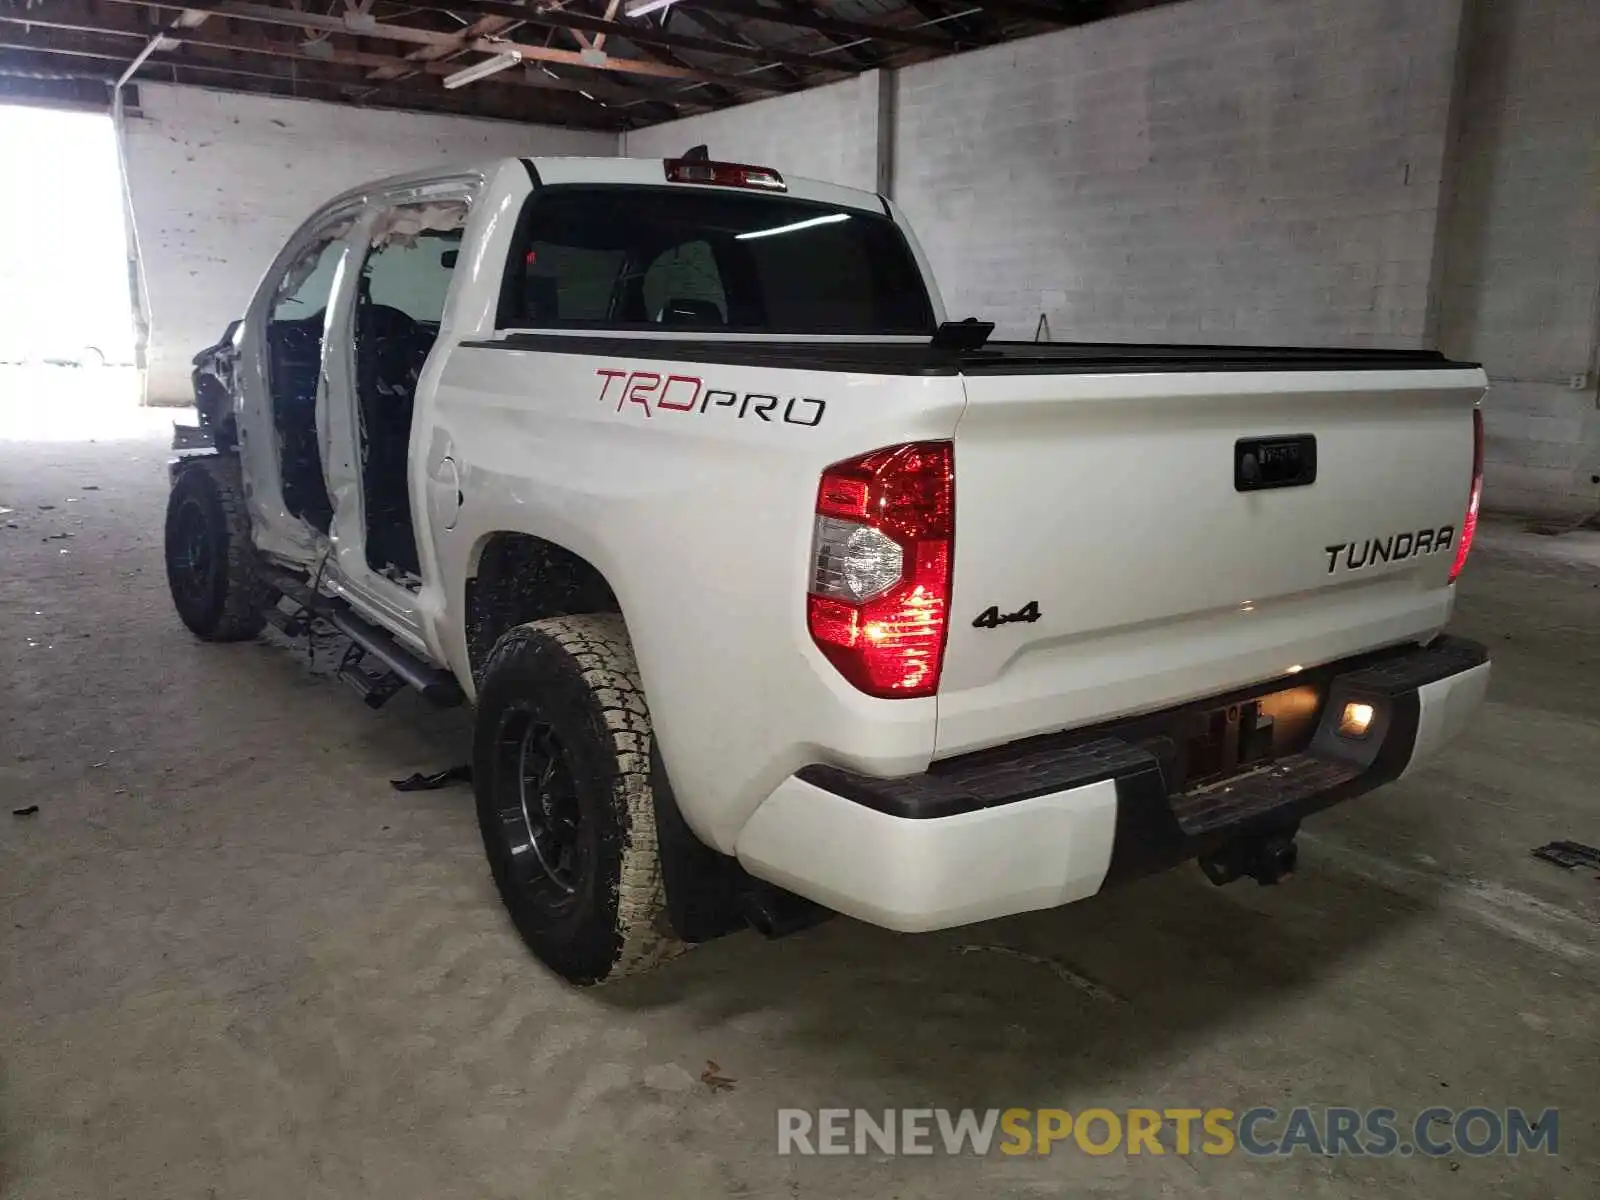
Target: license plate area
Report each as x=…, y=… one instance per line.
x=1204, y=746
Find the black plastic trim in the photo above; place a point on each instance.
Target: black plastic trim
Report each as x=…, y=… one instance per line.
x=1070, y=358
x=877, y=358
x=976, y=781
x=1154, y=827
x=924, y=359
x=533, y=174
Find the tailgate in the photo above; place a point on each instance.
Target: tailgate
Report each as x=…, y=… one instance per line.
x=1114, y=554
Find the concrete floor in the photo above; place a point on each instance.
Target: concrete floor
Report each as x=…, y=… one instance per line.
x=235, y=963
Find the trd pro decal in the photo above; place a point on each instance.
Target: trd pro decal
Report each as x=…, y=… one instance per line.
x=653, y=394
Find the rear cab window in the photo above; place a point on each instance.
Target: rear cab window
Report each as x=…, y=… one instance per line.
x=637, y=258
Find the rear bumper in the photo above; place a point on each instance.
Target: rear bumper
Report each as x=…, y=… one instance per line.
x=1054, y=819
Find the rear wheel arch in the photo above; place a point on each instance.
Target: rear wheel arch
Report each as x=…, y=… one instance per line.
x=514, y=578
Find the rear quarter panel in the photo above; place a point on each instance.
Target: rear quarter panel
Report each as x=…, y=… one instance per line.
x=701, y=520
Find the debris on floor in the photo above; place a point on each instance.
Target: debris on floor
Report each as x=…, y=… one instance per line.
x=1569, y=855
x=1060, y=969
x=25, y=812
x=431, y=783
x=714, y=1079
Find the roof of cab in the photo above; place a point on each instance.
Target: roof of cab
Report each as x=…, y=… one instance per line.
x=648, y=172
x=641, y=172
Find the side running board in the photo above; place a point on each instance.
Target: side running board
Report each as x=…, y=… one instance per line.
x=437, y=686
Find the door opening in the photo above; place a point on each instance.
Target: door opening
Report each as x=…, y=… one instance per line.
x=400, y=299
x=294, y=337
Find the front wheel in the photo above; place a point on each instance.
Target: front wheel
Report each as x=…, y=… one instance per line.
x=561, y=768
x=211, y=562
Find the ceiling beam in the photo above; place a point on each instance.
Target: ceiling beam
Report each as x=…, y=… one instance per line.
x=12, y=16
x=1071, y=12
x=807, y=16
x=611, y=15
x=723, y=30
x=366, y=27
x=639, y=33
x=850, y=47
x=971, y=27
x=285, y=48
x=482, y=27
x=199, y=54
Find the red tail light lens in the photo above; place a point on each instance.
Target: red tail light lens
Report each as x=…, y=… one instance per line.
x=723, y=174
x=1469, y=523
x=881, y=554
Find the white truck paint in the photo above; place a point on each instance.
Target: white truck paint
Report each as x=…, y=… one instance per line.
x=1094, y=488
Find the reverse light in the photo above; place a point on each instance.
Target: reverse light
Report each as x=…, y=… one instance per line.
x=723, y=174
x=1355, y=720
x=881, y=552
x=1469, y=523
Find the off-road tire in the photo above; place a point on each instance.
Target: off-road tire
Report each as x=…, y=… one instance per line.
x=575, y=682
x=211, y=561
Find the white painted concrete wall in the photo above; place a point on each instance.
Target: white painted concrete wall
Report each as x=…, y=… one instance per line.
x=218, y=180
x=1218, y=170
x=1521, y=248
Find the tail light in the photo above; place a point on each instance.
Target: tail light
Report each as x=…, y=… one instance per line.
x=1469, y=523
x=723, y=174
x=881, y=551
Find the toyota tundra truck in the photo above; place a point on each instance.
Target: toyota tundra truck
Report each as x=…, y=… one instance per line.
x=777, y=592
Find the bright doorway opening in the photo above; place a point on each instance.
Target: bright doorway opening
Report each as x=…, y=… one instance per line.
x=66, y=317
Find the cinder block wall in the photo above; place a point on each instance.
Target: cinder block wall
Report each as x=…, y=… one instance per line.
x=219, y=180
x=1521, y=248
x=1219, y=170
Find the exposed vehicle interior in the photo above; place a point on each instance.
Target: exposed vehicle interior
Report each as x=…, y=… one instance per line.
x=294, y=337
x=400, y=297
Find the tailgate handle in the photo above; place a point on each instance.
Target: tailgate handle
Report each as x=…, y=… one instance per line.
x=1289, y=460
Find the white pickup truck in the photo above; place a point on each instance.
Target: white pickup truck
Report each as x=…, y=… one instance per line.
x=775, y=592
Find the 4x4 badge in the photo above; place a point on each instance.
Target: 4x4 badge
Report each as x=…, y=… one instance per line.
x=993, y=618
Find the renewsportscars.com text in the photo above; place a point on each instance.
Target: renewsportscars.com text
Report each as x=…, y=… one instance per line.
x=1257, y=1132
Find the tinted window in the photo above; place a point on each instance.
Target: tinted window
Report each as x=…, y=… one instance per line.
x=633, y=258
